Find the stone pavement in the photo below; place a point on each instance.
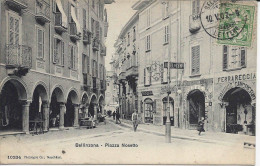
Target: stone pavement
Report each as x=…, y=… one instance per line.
x=211, y=137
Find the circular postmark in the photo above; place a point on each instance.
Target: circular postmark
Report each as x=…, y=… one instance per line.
x=222, y=20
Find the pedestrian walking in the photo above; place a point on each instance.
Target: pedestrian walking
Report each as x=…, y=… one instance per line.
x=135, y=119
x=117, y=117
x=201, y=125
x=114, y=115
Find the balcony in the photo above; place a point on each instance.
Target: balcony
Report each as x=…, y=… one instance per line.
x=18, y=59
x=42, y=11
x=74, y=34
x=86, y=36
x=103, y=50
x=58, y=23
x=194, y=24
x=95, y=44
x=17, y=4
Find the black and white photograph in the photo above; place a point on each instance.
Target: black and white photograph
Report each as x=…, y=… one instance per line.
x=128, y=82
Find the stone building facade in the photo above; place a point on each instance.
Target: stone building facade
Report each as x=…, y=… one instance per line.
x=51, y=62
x=127, y=46
x=218, y=82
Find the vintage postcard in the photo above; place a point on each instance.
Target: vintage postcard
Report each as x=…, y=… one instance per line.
x=128, y=81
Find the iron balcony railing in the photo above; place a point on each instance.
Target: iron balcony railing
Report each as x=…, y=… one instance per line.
x=18, y=55
x=194, y=24
x=19, y=4
x=43, y=9
x=86, y=36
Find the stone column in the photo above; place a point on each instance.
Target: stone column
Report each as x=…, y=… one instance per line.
x=62, y=112
x=25, y=116
x=95, y=111
x=46, y=115
x=76, y=115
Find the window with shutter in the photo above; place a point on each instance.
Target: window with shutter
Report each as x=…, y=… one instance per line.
x=234, y=57
x=97, y=30
x=40, y=43
x=154, y=106
x=166, y=34
x=144, y=76
x=225, y=57
x=148, y=18
x=88, y=64
x=84, y=64
x=14, y=30
x=84, y=18
x=195, y=7
x=55, y=50
x=195, y=65
x=243, y=57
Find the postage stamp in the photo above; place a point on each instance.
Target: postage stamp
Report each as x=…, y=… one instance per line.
x=230, y=23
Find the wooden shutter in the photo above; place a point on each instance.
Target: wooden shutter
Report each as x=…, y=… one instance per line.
x=225, y=57
x=144, y=76
x=54, y=6
x=88, y=65
x=54, y=58
x=150, y=76
x=141, y=106
x=84, y=18
x=193, y=7
x=243, y=56
x=70, y=56
x=93, y=68
x=154, y=106
x=62, y=52
x=195, y=69
x=198, y=7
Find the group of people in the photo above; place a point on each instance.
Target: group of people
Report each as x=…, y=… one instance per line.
x=116, y=116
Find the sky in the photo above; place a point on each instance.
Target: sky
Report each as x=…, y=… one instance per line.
x=118, y=13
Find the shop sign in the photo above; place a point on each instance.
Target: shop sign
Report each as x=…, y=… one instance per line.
x=237, y=77
x=198, y=82
x=237, y=84
x=174, y=65
x=147, y=93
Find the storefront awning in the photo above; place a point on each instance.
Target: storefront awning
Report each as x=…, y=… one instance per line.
x=64, y=16
x=74, y=17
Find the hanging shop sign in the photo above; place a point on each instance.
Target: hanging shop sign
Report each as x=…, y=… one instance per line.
x=147, y=93
x=237, y=84
x=174, y=65
x=237, y=77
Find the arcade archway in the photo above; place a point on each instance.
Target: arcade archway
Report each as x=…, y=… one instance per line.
x=101, y=103
x=92, y=110
x=11, y=107
x=72, y=106
x=57, y=103
x=240, y=114
x=196, y=108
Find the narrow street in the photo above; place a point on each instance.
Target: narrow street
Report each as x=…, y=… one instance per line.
x=110, y=140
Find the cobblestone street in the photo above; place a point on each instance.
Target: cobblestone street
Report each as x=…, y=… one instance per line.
x=110, y=140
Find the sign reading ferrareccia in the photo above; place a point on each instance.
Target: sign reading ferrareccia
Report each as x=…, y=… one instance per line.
x=237, y=77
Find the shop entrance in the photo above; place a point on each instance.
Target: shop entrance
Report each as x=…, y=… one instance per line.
x=239, y=112
x=57, y=99
x=10, y=108
x=165, y=105
x=148, y=110
x=92, y=105
x=196, y=105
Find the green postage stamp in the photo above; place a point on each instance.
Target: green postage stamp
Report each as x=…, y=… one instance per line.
x=230, y=23
x=242, y=19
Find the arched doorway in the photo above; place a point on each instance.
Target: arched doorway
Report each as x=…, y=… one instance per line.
x=71, y=107
x=84, y=102
x=239, y=112
x=196, y=105
x=36, y=112
x=57, y=100
x=165, y=106
x=11, y=117
x=101, y=104
x=148, y=110
x=92, y=106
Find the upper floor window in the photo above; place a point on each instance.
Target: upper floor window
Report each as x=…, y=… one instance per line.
x=134, y=34
x=92, y=25
x=40, y=43
x=14, y=29
x=148, y=43
x=128, y=38
x=85, y=64
x=165, y=10
x=94, y=68
x=195, y=60
x=84, y=18
x=147, y=76
x=73, y=57
x=195, y=7
x=58, y=51
x=234, y=57
x=166, y=34
x=148, y=18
